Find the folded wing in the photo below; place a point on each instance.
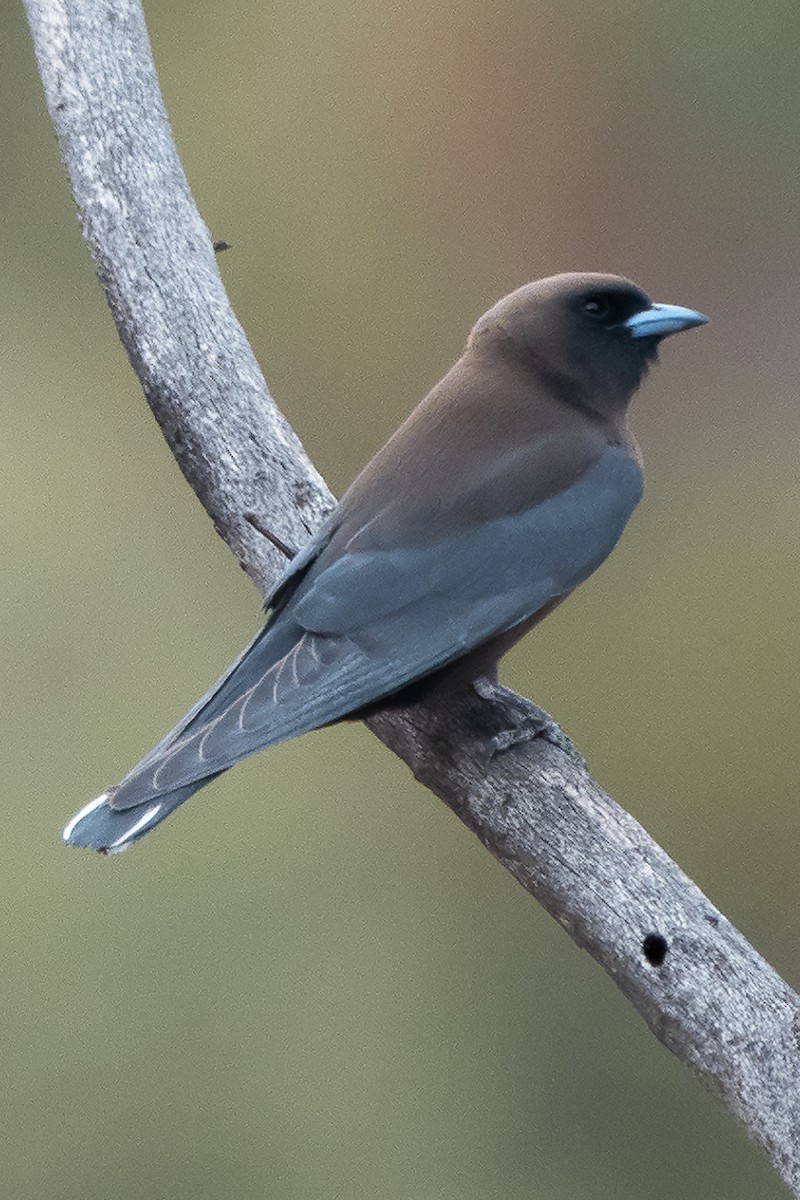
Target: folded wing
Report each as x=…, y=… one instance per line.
x=358, y=626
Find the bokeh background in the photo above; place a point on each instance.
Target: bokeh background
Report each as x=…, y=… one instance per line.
x=313, y=983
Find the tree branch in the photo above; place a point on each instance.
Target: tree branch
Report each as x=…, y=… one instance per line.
x=699, y=985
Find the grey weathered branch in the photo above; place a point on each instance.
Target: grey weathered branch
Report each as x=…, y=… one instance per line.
x=701, y=988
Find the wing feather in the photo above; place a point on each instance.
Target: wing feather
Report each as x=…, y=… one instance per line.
x=361, y=625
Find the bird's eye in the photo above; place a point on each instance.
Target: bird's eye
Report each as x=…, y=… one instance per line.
x=596, y=307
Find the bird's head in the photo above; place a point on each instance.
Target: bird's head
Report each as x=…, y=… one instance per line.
x=590, y=336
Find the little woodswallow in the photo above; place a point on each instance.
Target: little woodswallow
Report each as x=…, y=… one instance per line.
x=503, y=490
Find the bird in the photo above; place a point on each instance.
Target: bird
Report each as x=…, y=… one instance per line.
x=505, y=488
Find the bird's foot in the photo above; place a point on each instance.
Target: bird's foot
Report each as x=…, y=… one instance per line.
x=529, y=721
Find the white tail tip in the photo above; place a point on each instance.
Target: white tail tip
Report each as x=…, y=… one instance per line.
x=69, y=828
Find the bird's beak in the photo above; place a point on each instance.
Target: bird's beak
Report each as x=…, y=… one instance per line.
x=660, y=319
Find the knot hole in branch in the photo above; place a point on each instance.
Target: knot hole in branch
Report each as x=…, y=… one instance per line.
x=654, y=949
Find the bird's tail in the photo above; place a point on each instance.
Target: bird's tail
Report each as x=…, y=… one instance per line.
x=105, y=826
x=98, y=826
x=275, y=683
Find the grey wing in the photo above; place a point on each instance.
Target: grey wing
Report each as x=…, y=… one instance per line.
x=481, y=579
x=362, y=625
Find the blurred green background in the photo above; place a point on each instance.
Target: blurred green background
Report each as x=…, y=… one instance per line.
x=313, y=983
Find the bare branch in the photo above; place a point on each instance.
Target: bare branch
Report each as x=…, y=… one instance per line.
x=701, y=988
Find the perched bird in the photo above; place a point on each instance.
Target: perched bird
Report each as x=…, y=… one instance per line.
x=502, y=491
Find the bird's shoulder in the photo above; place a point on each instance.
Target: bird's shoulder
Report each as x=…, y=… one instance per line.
x=464, y=461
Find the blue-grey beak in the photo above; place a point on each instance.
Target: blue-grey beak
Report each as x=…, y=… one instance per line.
x=660, y=319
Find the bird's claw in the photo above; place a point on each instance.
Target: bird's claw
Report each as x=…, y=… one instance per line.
x=531, y=722
x=537, y=725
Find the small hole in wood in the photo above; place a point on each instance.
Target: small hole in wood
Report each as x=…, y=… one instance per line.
x=654, y=948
